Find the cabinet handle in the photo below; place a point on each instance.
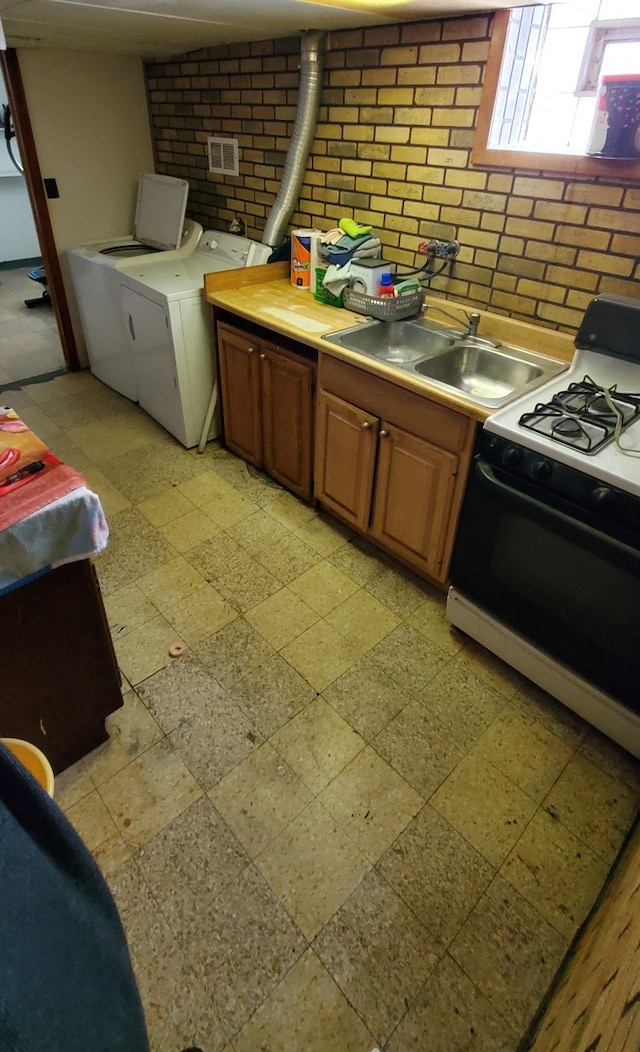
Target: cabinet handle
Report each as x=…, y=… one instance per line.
x=262, y=357
x=250, y=350
x=131, y=328
x=366, y=426
x=383, y=433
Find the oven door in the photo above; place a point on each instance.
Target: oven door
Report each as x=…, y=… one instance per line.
x=554, y=576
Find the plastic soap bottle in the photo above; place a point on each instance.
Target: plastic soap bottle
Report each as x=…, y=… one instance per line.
x=386, y=285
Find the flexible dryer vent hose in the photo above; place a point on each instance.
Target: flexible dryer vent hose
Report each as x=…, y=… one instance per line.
x=303, y=133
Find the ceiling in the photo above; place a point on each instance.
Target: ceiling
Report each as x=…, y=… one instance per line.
x=159, y=28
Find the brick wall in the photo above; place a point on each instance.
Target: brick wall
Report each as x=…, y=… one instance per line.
x=392, y=148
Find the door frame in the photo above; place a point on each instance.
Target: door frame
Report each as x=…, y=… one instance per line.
x=35, y=187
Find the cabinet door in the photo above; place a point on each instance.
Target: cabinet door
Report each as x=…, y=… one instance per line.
x=345, y=459
x=240, y=389
x=413, y=495
x=154, y=361
x=287, y=413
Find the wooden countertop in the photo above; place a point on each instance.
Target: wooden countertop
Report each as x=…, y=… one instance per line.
x=265, y=296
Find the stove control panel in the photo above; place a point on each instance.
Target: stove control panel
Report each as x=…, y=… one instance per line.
x=543, y=475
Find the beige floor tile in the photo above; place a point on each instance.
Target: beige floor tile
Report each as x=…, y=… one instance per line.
x=317, y=744
x=165, y=506
x=484, y=806
x=170, y=583
x=281, y=618
x=259, y=797
x=234, y=651
x=324, y=535
x=463, y=701
x=399, y=589
x=229, y=508
x=312, y=866
x=132, y=730
x=204, y=488
x=112, y=575
x=379, y=954
x=593, y=805
x=137, y=544
x=189, y=530
x=371, y=802
x=199, y=615
x=359, y=560
x=307, y=1003
x=363, y=619
x=448, y=1014
x=149, y=793
x=555, y=716
x=95, y=825
x=246, y=583
x=290, y=511
x=209, y=731
x=190, y=861
x=176, y=1022
x=409, y=658
x=611, y=758
x=128, y=608
x=111, y=498
x=323, y=587
x=367, y=697
x=216, y=556
x=556, y=872
x=73, y=784
x=437, y=873
x=288, y=559
x=148, y=933
x=525, y=751
x=430, y=618
x=510, y=952
x=257, y=532
x=419, y=747
x=272, y=694
x=145, y=649
x=241, y=946
x=491, y=669
x=321, y=654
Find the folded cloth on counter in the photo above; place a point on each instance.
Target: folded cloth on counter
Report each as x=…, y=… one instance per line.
x=337, y=278
x=331, y=237
x=352, y=228
x=366, y=247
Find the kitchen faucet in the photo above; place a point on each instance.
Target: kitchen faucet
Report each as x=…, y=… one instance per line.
x=473, y=320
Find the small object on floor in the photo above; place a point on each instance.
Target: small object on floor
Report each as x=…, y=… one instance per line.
x=176, y=650
x=38, y=274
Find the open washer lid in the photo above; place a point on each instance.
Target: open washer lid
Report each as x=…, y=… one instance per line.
x=162, y=203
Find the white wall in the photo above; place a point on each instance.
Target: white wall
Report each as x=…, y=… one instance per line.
x=18, y=238
x=91, y=128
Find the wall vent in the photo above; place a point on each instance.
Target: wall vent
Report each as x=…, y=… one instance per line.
x=223, y=156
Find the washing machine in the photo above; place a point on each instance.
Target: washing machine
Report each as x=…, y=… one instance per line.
x=169, y=330
x=160, y=230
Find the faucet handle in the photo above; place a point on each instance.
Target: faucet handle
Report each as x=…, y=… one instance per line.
x=474, y=322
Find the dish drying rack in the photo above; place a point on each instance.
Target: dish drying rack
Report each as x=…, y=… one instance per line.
x=385, y=308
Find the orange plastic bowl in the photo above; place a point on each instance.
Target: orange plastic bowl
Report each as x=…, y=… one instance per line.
x=33, y=759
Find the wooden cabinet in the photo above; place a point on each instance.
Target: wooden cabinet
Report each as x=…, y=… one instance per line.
x=392, y=464
x=267, y=396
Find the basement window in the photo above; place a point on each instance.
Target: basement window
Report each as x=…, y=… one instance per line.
x=542, y=84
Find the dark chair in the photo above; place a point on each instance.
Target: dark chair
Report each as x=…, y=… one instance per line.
x=38, y=274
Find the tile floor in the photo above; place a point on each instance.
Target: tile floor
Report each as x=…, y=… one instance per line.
x=29, y=343
x=335, y=823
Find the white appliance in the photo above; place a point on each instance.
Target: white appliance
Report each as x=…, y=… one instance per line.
x=159, y=228
x=546, y=565
x=168, y=326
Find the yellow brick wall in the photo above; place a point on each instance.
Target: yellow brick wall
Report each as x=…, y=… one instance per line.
x=392, y=148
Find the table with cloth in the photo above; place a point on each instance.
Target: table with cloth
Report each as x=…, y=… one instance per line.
x=59, y=677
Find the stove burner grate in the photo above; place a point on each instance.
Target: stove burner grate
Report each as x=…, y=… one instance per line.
x=581, y=416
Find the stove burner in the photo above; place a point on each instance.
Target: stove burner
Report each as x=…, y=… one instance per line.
x=581, y=416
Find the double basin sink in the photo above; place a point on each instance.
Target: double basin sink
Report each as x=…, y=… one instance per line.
x=482, y=370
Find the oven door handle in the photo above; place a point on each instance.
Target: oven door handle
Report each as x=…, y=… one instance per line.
x=488, y=478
